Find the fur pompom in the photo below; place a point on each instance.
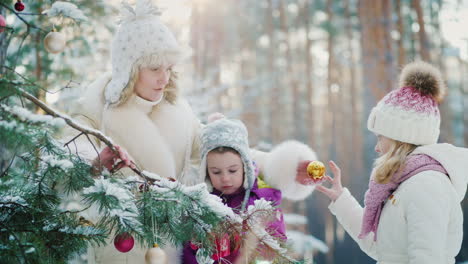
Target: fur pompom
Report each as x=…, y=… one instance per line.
x=425, y=78
x=280, y=169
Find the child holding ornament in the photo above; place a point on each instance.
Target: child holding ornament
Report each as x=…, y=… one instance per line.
x=412, y=210
x=229, y=170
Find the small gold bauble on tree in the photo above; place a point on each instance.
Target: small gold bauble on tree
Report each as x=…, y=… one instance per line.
x=55, y=42
x=316, y=171
x=155, y=255
x=85, y=222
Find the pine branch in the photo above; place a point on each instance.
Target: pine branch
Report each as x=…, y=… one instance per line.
x=17, y=239
x=22, y=19
x=72, y=123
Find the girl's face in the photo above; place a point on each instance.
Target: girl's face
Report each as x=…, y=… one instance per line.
x=226, y=171
x=383, y=144
x=152, y=81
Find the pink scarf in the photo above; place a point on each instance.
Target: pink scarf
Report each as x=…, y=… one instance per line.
x=377, y=194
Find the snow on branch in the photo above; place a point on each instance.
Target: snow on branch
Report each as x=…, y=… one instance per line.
x=65, y=9
x=27, y=116
x=205, y=198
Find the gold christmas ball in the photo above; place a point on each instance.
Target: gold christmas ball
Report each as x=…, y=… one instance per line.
x=316, y=170
x=55, y=42
x=85, y=222
x=155, y=255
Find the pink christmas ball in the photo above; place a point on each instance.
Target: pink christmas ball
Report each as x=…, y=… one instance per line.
x=2, y=23
x=124, y=242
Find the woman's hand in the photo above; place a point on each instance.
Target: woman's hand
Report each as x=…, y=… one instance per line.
x=111, y=160
x=336, y=188
x=215, y=116
x=302, y=176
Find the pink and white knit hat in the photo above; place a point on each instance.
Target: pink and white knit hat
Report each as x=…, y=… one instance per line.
x=410, y=114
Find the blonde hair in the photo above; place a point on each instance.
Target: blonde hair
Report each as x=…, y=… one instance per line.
x=153, y=60
x=391, y=162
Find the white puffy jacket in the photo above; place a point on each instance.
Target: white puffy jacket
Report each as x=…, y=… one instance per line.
x=423, y=222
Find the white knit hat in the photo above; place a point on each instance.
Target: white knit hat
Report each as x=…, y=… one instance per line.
x=410, y=114
x=141, y=34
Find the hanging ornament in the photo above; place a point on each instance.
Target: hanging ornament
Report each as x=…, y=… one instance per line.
x=2, y=23
x=19, y=6
x=55, y=42
x=155, y=255
x=316, y=171
x=85, y=222
x=223, y=248
x=144, y=187
x=124, y=242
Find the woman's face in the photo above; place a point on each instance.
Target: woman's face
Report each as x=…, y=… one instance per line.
x=383, y=144
x=152, y=82
x=226, y=171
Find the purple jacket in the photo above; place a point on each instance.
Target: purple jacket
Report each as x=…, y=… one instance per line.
x=234, y=201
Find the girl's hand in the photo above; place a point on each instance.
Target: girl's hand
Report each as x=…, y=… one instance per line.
x=336, y=188
x=112, y=161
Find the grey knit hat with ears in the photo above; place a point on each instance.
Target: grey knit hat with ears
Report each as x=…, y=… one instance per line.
x=227, y=133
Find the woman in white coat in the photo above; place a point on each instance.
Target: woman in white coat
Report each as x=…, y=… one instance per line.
x=412, y=210
x=137, y=105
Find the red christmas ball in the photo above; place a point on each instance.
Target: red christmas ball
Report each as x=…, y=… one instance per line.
x=124, y=242
x=19, y=6
x=2, y=23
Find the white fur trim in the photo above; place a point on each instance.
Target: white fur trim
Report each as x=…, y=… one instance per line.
x=280, y=166
x=91, y=103
x=154, y=141
x=134, y=131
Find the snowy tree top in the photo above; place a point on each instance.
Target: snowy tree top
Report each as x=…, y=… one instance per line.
x=302, y=242
x=295, y=219
x=65, y=9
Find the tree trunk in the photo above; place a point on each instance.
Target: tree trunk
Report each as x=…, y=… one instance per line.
x=311, y=125
x=464, y=93
x=275, y=105
x=401, y=32
x=329, y=149
x=378, y=62
x=41, y=94
x=5, y=38
x=195, y=43
x=446, y=129
x=424, y=44
x=356, y=124
x=251, y=101
x=328, y=123
x=289, y=80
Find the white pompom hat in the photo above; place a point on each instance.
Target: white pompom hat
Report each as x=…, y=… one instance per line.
x=411, y=114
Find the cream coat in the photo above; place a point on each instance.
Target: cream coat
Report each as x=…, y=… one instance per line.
x=423, y=222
